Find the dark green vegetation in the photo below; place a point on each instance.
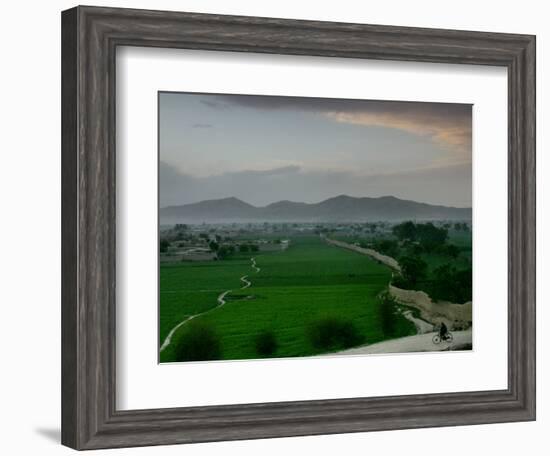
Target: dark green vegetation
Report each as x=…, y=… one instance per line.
x=334, y=333
x=197, y=342
x=297, y=290
x=433, y=261
x=392, y=325
x=266, y=344
x=435, y=257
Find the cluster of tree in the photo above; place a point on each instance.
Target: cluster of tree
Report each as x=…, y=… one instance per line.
x=223, y=250
x=446, y=283
x=387, y=247
x=451, y=284
x=428, y=236
x=461, y=227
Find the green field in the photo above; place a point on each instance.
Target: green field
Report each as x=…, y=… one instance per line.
x=295, y=287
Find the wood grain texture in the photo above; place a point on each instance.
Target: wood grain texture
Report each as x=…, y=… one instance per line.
x=89, y=39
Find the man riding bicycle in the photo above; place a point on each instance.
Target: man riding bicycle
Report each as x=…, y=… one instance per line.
x=443, y=331
x=442, y=335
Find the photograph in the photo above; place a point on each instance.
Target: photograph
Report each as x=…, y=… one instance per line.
x=295, y=226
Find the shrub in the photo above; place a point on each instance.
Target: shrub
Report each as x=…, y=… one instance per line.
x=164, y=244
x=198, y=342
x=332, y=333
x=387, y=315
x=266, y=343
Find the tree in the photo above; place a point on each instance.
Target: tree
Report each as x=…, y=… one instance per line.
x=450, y=284
x=405, y=230
x=223, y=252
x=163, y=246
x=387, y=315
x=331, y=333
x=243, y=248
x=452, y=250
x=198, y=342
x=413, y=269
x=266, y=343
x=214, y=246
x=387, y=247
x=254, y=248
x=430, y=236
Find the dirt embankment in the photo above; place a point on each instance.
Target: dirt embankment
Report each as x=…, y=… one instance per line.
x=455, y=316
x=384, y=259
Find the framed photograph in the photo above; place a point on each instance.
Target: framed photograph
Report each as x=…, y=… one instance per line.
x=280, y=228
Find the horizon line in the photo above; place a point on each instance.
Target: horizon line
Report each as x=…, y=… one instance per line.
x=319, y=202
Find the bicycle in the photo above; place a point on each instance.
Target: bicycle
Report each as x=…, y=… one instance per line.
x=436, y=339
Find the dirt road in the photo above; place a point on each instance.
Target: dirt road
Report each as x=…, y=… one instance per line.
x=422, y=327
x=418, y=343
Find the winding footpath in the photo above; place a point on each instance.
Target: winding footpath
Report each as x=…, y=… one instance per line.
x=220, y=300
x=246, y=282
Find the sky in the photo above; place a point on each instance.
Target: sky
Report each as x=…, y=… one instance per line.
x=264, y=149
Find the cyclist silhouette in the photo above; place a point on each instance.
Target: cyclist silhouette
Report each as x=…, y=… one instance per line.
x=443, y=331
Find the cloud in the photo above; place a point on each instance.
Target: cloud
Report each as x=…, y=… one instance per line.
x=212, y=102
x=202, y=125
x=450, y=131
x=283, y=170
x=447, y=124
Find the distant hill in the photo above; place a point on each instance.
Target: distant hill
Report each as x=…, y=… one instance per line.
x=339, y=208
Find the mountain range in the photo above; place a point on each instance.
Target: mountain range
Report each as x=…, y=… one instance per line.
x=340, y=208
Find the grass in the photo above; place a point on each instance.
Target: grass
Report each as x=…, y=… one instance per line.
x=307, y=282
x=189, y=288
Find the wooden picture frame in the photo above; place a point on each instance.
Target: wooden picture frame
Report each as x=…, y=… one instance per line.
x=90, y=37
